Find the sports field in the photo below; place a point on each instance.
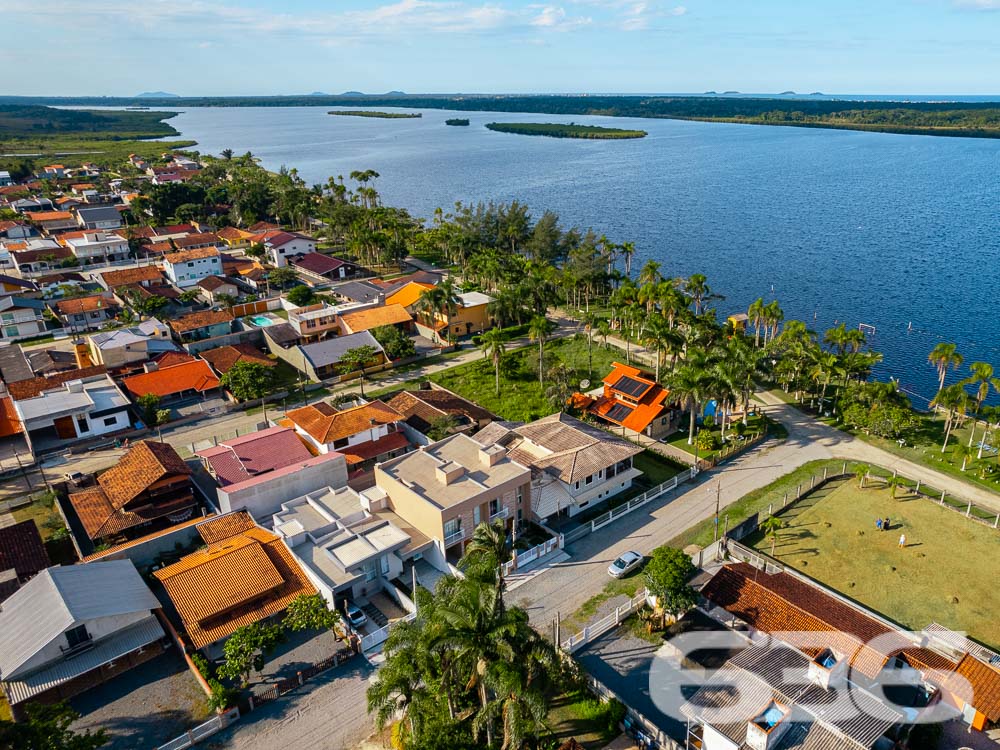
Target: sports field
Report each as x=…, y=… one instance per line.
x=948, y=571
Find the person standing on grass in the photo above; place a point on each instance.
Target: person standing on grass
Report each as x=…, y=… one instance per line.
x=878, y=524
x=902, y=540
x=885, y=524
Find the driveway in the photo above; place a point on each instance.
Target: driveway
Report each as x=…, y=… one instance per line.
x=327, y=712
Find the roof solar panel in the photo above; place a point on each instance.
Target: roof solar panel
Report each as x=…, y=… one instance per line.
x=630, y=386
x=619, y=412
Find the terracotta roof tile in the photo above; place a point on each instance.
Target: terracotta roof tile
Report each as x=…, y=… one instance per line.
x=143, y=464
x=652, y=401
x=9, y=423
x=114, y=549
x=318, y=263
x=222, y=527
x=325, y=424
x=78, y=305
x=186, y=255
x=211, y=283
x=37, y=386
x=49, y=215
x=237, y=580
x=984, y=681
x=364, y=320
x=222, y=358
x=193, y=375
x=355, y=454
x=21, y=548
x=203, y=319
x=120, y=277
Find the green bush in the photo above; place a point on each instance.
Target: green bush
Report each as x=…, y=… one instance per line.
x=202, y=665
x=706, y=440
x=605, y=715
x=222, y=697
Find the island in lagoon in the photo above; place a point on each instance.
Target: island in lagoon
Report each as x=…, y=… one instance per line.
x=457, y=121
x=375, y=113
x=563, y=130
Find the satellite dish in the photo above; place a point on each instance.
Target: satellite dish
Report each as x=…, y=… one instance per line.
x=584, y=384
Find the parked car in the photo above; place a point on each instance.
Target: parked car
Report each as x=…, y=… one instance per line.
x=75, y=478
x=625, y=564
x=355, y=616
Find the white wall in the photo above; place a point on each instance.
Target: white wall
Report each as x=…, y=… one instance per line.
x=299, y=246
x=264, y=499
x=97, y=426
x=189, y=273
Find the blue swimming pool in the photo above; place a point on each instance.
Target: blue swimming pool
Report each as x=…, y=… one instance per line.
x=262, y=321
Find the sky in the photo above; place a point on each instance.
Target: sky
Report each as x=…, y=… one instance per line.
x=263, y=47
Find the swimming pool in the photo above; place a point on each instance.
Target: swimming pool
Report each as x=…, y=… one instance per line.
x=262, y=321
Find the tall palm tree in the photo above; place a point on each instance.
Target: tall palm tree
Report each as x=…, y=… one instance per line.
x=650, y=273
x=943, y=356
x=982, y=378
x=824, y=367
x=954, y=400
x=774, y=315
x=485, y=555
x=696, y=287
x=494, y=346
x=756, y=315
x=691, y=385
x=539, y=330
x=771, y=526
x=627, y=249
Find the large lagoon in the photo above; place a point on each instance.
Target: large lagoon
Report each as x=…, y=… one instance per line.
x=898, y=232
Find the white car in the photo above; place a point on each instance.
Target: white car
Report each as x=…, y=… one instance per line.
x=625, y=564
x=356, y=616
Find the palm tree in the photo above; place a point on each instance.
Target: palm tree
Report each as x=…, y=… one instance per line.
x=756, y=315
x=942, y=357
x=494, y=346
x=690, y=386
x=770, y=527
x=604, y=329
x=627, y=249
x=650, y=273
x=861, y=472
x=773, y=314
x=893, y=483
x=519, y=690
x=696, y=287
x=399, y=685
x=824, y=367
x=982, y=378
x=658, y=336
x=954, y=400
x=485, y=555
x=966, y=453
x=539, y=329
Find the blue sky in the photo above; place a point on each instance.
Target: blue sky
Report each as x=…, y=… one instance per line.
x=210, y=47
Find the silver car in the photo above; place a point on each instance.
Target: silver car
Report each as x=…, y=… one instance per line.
x=625, y=564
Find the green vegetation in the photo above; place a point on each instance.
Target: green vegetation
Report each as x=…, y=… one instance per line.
x=580, y=715
x=939, y=576
x=926, y=118
x=560, y=130
x=48, y=728
x=457, y=121
x=375, y=113
x=248, y=381
x=655, y=468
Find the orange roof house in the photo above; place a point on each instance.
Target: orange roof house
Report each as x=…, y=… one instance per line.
x=363, y=434
x=408, y=295
x=144, y=275
x=246, y=574
x=191, y=376
x=223, y=358
x=150, y=483
x=632, y=399
x=374, y=317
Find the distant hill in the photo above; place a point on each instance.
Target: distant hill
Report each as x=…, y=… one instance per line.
x=157, y=95
x=787, y=93
x=395, y=93
x=354, y=93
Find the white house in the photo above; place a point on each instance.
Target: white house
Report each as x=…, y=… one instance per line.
x=573, y=465
x=21, y=318
x=127, y=345
x=279, y=246
x=5, y=178
x=96, y=246
x=188, y=267
x=74, y=626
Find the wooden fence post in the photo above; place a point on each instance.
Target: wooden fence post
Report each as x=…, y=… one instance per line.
x=785, y=501
x=770, y=509
x=845, y=468
x=942, y=497
x=798, y=493
x=824, y=473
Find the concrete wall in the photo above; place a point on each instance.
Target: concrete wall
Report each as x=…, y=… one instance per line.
x=264, y=499
x=249, y=336
x=145, y=553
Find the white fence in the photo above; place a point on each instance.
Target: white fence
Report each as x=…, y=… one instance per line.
x=524, y=557
x=377, y=638
x=602, y=626
x=202, y=731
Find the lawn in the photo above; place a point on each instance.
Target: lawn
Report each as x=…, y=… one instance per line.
x=43, y=512
x=945, y=574
x=72, y=150
x=679, y=440
x=655, y=468
x=521, y=397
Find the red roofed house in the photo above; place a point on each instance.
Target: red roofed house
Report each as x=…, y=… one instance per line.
x=365, y=434
x=259, y=471
x=86, y=313
x=279, y=246
x=22, y=555
x=173, y=381
x=632, y=399
x=324, y=266
x=222, y=358
x=150, y=485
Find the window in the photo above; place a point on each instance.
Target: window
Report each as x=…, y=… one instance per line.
x=7, y=317
x=77, y=636
x=476, y=516
x=81, y=424
x=494, y=507
x=589, y=480
x=520, y=495
x=384, y=564
x=110, y=421
x=342, y=443
x=452, y=527
x=371, y=571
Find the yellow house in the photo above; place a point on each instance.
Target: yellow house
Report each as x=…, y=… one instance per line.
x=408, y=295
x=471, y=317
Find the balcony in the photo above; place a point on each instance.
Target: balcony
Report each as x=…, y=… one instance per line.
x=454, y=538
x=502, y=513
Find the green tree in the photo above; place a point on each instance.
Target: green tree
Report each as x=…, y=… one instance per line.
x=539, y=329
x=770, y=527
x=310, y=612
x=954, y=400
x=983, y=380
x=357, y=360
x=149, y=403
x=248, y=381
x=300, y=295
x=247, y=649
x=397, y=345
x=943, y=356
x=691, y=386
x=667, y=574
x=494, y=346
x=226, y=300
x=442, y=427
x=47, y=727
x=282, y=277
x=486, y=552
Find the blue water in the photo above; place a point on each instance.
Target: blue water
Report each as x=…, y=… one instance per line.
x=772, y=716
x=262, y=321
x=887, y=230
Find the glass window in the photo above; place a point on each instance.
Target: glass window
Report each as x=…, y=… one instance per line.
x=371, y=571
x=494, y=506
x=81, y=424
x=384, y=563
x=11, y=331
x=110, y=421
x=453, y=526
x=475, y=516
x=76, y=636
x=589, y=480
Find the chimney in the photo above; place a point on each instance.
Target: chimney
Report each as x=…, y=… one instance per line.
x=82, y=353
x=150, y=367
x=449, y=473
x=490, y=456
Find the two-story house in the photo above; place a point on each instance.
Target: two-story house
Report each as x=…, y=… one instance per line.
x=21, y=318
x=469, y=317
x=73, y=627
x=446, y=489
x=86, y=313
x=364, y=434
x=52, y=222
x=96, y=246
x=279, y=246
x=633, y=400
x=188, y=267
x=149, y=489
x=126, y=346
x=319, y=267
x=99, y=217
x=574, y=465
x=38, y=254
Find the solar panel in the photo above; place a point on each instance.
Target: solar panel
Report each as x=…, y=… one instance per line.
x=619, y=412
x=630, y=386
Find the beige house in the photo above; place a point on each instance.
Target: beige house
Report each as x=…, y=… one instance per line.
x=446, y=489
x=470, y=317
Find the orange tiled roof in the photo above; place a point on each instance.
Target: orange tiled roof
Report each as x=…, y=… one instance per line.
x=374, y=317
x=114, y=549
x=192, y=375
x=325, y=424
x=224, y=357
x=144, y=464
x=232, y=233
x=194, y=321
x=185, y=255
x=239, y=579
x=136, y=275
x=9, y=423
x=408, y=295
x=651, y=404
x=78, y=305
x=49, y=215
x=225, y=526
x=984, y=681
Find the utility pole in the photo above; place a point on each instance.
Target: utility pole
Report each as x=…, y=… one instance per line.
x=718, y=498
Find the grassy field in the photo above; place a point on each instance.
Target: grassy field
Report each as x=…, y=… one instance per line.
x=946, y=573
x=72, y=150
x=521, y=397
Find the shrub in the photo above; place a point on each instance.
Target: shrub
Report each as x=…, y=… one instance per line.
x=222, y=697
x=706, y=440
x=202, y=665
